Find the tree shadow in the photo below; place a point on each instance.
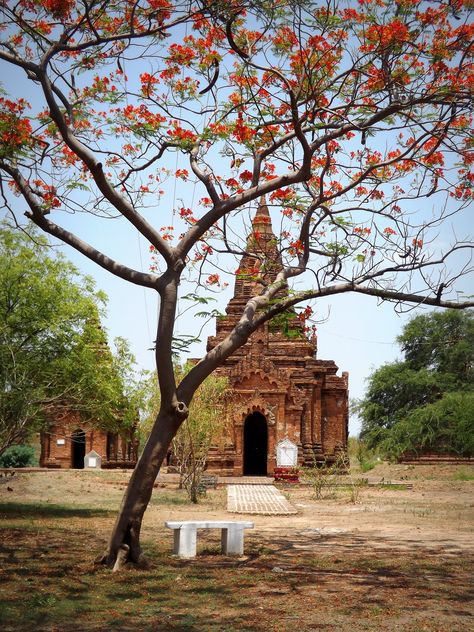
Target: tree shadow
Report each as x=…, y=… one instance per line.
x=46, y=510
x=301, y=579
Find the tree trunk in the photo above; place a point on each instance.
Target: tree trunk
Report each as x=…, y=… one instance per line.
x=126, y=532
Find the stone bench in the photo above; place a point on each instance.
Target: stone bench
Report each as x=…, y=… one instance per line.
x=185, y=535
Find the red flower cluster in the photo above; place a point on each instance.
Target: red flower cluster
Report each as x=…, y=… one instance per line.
x=48, y=194
x=246, y=176
x=15, y=131
x=242, y=132
x=213, y=279
x=181, y=55
x=59, y=8
x=148, y=84
x=185, y=212
x=167, y=232
x=296, y=247
x=282, y=195
x=305, y=314
x=182, y=173
x=142, y=114
x=180, y=134
x=386, y=35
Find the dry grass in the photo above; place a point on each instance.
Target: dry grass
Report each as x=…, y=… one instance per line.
x=395, y=560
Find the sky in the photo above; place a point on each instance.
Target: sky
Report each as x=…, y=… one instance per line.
x=353, y=330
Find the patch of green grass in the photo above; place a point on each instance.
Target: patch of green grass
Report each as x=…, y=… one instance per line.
x=40, y=607
x=392, y=486
x=46, y=510
x=167, y=498
x=49, y=581
x=42, y=600
x=163, y=497
x=463, y=475
x=366, y=465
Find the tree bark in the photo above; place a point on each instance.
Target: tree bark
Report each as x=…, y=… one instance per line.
x=126, y=531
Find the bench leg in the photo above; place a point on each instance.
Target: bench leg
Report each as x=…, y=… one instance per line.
x=185, y=541
x=232, y=540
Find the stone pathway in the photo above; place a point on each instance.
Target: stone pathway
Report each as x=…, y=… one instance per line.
x=258, y=499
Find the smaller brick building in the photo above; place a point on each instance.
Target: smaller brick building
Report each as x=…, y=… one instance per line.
x=279, y=389
x=68, y=439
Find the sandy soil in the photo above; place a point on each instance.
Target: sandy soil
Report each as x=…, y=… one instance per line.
x=437, y=507
x=396, y=559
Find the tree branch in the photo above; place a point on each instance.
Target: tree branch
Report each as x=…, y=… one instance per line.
x=37, y=215
x=96, y=170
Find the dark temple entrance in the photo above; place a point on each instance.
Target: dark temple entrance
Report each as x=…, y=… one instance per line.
x=78, y=440
x=255, y=445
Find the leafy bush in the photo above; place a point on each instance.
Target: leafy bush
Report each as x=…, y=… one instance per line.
x=321, y=475
x=367, y=458
x=425, y=402
x=360, y=452
x=444, y=427
x=18, y=456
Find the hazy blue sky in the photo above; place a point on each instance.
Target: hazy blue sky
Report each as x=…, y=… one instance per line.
x=358, y=332
x=359, y=335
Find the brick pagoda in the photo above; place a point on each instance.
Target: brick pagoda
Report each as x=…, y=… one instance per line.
x=278, y=388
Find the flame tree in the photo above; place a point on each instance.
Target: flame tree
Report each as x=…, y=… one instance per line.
x=353, y=119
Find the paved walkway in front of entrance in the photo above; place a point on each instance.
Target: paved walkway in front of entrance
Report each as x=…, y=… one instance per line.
x=258, y=499
x=245, y=480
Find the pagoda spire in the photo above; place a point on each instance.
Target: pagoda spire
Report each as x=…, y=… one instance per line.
x=262, y=209
x=261, y=260
x=262, y=239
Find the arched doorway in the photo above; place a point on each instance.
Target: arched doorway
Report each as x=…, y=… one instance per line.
x=255, y=445
x=111, y=446
x=78, y=440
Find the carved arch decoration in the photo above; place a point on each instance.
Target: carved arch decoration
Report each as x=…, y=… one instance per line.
x=256, y=405
x=267, y=372
x=297, y=396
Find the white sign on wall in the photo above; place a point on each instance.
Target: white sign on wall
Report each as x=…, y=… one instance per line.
x=60, y=441
x=287, y=453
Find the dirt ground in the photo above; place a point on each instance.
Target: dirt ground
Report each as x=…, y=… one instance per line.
x=377, y=558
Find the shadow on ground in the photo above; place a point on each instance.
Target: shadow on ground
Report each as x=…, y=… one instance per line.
x=302, y=579
x=20, y=510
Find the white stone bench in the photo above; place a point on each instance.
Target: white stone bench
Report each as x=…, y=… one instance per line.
x=185, y=535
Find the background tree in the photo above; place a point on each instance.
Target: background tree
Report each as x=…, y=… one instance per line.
x=353, y=120
x=426, y=401
x=191, y=444
x=53, y=351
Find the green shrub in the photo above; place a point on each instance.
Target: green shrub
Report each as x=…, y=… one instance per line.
x=320, y=476
x=360, y=452
x=366, y=466
x=18, y=456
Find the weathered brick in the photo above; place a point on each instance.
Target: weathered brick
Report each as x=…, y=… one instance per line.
x=275, y=375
